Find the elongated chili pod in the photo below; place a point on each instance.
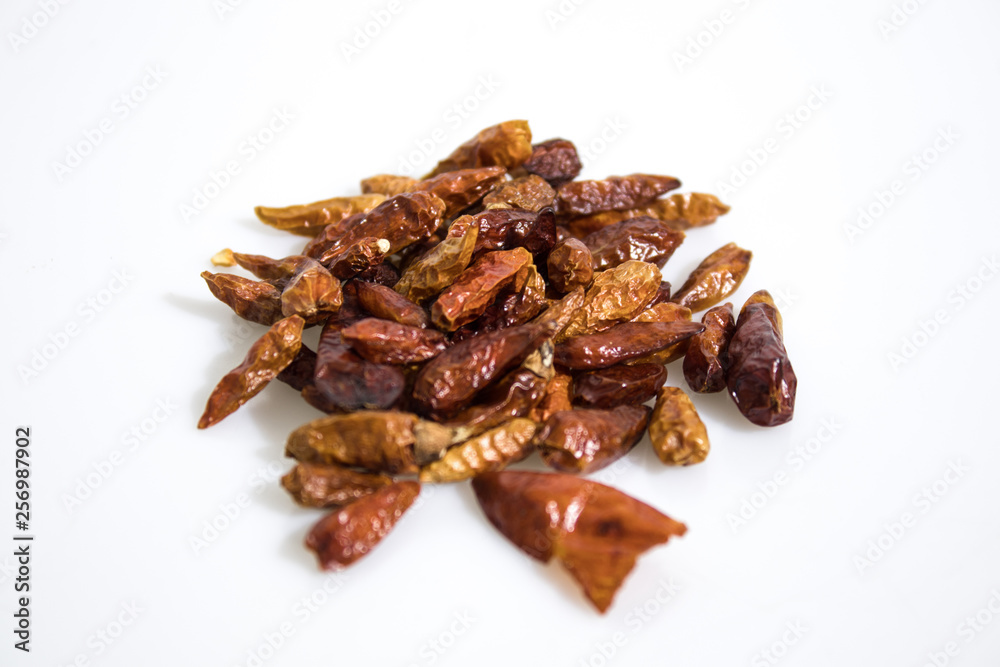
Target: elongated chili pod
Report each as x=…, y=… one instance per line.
x=704, y=361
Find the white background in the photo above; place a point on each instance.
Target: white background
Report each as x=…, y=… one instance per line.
x=849, y=301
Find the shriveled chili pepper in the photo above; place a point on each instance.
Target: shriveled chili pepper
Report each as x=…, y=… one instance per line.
x=385, y=342
x=389, y=185
x=348, y=534
x=597, y=532
x=514, y=395
x=502, y=229
x=349, y=381
x=381, y=274
x=556, y=398
x=618, y=385
x=299, y=373
x=462, y=188
x=493, y=450
x=326, y=485
x=643, y=239
x=570, y=265
x=312, y=293
x=388, y=304
x=676, y=431
x=616, y=193
x=473, y=291
x=704, y=361
x=616, y=295
x=253, y=300
x=664, y=312
x=267, y=357
x=530, y=193
x=759, y=375
x=622, y=342
x=679, y=211
x=555, y=160
x=360, y=256
x=507, y=145
x=718, y=276
x=311, y=219
x=439, y=267
x=586, y=440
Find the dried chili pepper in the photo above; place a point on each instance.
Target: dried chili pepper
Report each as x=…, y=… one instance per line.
x=555, y=160
x=347, y=380
x=680, y=211
x=570, y=265
x=267, y=357
x=299, y=374
x=253, y=300
x=473, y=291
x=493, y=450
x=462, y=188
x=631, y=340
x=676, y=431
x=388, y=304
x=664, y=312
x=326, y=485
x=704, y=367
x=643, y=239
x=439, y=267
x=616, y=193
x=556, y=398
x=502, y=229
x=597, y=532
x=718, y=276
x=616, y=295
x=389, y=185
x=758, y=373
x=586, y=440
x=507, y=145
x=619, y=385
x=530, y=193
x=360, y=256
x=311, y=219
x=312, y=294
x=381, y=274
x=385, y=342
x=344, y=536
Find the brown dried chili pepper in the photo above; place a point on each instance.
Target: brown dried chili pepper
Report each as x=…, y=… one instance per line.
x=631, y=340
x=616, y=295
x=462, y=188
x=530, y=193
x=349, y=381
x=643, y=239
x=570, y=265
x=310, y=219
x=388, y=304
x=759, y=375
x=586, y=440
x=493, y=450
x=704, y=367
x=680, y=211
x=381, y=274
x=597, y=532
x=267, y=357
x=348, y=534
x=360, y=256
x=664, y=312
x=253, y=300
x=662, y=294
x=451, y=380
x=718, y=276
x=326, y=485
x=275, y=271
x=618, y=385
x=389, y=185
x=616, y=193
x=556, y=398
x=385, y=342
x=383, y=441
x=312, y=294
x=503, y=229
x=676, y=431
x=439, y=267
x=507, y=145
x=555, y=160
x=299, y=374
x=476, y=288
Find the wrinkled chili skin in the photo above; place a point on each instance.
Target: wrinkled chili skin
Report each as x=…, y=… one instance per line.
x=679, y=211
x=360, y=256
x=570, y=265
x=583, y=441
x=462, y=188
x=253, y=300
x=312, y=293
x=676, y=431
x=299, y=374
x=616, y=193
x=597, y=532
x=381, y=274
x=618, y=385
x=614, y=296
x=385, y=342
x=556, y=398
x=704, y=362
x=326, y=485
x=382, y=441
x=494, y=449
x=388, y=304
x=530, y=193
x=346, y=535
x=507, y=144
x=555, y=160
x=311, y=219
x=622, y=342
x=642, y=239
x=438, y=268
x=515, y=395
x=350, y=382
x=268, y=356
x=718, y=276
x=389, y=185
x=759, y=375
x=503, y=229
x=475, y=288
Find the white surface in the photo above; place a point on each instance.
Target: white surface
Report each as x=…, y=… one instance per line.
x=164, y=338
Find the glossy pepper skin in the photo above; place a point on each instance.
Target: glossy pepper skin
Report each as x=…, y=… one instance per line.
x=311, y=219
x=615, y=193
x=586, y=440
x=326, y=485
x=679, y=211
x=618, y=385
x=570, y=265
x=676, y=431
x=348, y=534
x=759, y=375
x=631, y=340
x=462, y=188
x=719, y=275
x=507, y=144
x=555, y=160
x=704, y=362
x=595, y=531
x=642, y=239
